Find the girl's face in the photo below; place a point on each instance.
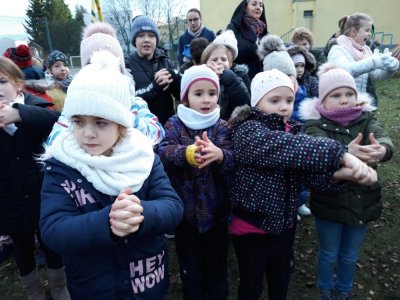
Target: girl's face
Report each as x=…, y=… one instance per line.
x=340, y=98
x=95, y=135
x=203, y=96
x=278, y=101
x=9, y=89
x=254, y=8
x=363, y=34
x=304, y=43
x=194, y=21
x=59, y=70
x=220, y=57
x=146, y=43
x=300, y=66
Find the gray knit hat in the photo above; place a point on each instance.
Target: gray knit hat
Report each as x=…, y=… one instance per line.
x=142, y=24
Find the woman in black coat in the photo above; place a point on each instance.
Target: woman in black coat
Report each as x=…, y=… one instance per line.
x=25, y=122
x=249, y=24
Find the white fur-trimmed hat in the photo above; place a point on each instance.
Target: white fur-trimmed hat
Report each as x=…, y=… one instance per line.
x=266, y=81
x=100, y=90
x=228, y=39
x=197, y=73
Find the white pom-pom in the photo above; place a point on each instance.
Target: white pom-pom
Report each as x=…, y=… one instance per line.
x=105, y=60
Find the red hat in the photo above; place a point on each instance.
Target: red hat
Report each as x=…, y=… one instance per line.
x=21, y=56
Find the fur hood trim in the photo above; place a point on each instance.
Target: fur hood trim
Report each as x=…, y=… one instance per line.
x=239, y=114
x=40, y=85
x=310, y=59
x=269, y=44
x=241, y=68
x=308, y=107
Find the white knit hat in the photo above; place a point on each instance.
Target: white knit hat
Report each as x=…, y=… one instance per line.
x=228, y=39
x=265, y=82
x=197, y=73
x=100, y=90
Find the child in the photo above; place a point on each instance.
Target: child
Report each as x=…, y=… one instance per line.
x=353, y=54
x=106, y=200
x=343, y=114
x=25, y=123
x=197, y=154
x=233, y=90
x=58, y=67
x=272, y=161
x=197, y=46
x=101, y=36
x=301, y=36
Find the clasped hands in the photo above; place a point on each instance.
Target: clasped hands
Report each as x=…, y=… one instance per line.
x=126, y=213
x=206, y=152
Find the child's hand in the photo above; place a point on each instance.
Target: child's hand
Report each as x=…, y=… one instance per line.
x=125, y=215
x=163, y=78
x=218, y=69
x=355, y=170
x=368, y=153
x=209, y=151
x=8, y=114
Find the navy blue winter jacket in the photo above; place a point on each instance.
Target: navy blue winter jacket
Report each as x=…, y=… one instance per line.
x=99, y=265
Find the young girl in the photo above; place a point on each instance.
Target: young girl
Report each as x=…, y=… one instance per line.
x=106, y=200
x=353, y=54
x=197, y=154
x=25, y=123
x=233, y=90
x=101, y=36
x=272, y=161
x=341, y=113
x=58, y=67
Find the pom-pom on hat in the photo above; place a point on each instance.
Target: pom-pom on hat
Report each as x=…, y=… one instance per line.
x=57, y=55
x=228, y=39
x=197, y=73
x=21, y=56
x=142, y=24
x=100, y=90
x=100, y=36
x=265, y=82
x=274, y=54
x=332, y=77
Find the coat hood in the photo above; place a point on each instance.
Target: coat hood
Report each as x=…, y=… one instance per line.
x=239, y=114
x=308, y=107
x=41, y=85
x=310, y=59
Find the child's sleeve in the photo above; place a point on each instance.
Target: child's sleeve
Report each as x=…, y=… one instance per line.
x=146, y=122
x=224, y=142
x=171, y=149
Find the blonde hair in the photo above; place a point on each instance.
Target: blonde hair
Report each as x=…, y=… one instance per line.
x=13, y=73
x=302, y=33
x=211, y=48
x=356, y=21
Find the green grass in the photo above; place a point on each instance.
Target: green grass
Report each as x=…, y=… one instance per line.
x=378, y=269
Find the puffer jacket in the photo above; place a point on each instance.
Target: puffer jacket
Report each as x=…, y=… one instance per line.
x=354, y=204
x=271, y=165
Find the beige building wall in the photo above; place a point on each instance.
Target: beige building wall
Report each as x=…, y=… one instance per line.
x=284, y=15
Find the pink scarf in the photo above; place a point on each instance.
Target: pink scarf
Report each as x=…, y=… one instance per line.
x=357, y=51
x=341, y=116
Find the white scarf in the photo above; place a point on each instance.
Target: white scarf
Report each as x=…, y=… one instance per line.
x=195, y=120
x=197, y=33
x=129, y=164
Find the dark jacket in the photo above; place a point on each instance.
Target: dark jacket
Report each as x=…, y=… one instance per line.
x=20, y=177
x=247, y=40
x=186, y=38
x=320, y=59
x=271, y=164
x=204, y=192
x=99, y=265
x=354, y=204
x=233, y=93
x=161, y=103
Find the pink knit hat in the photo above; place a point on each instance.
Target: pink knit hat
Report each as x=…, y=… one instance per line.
x=332, y=77
x=100, y=36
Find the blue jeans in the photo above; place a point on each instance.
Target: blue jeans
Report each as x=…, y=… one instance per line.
x=338, y=243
